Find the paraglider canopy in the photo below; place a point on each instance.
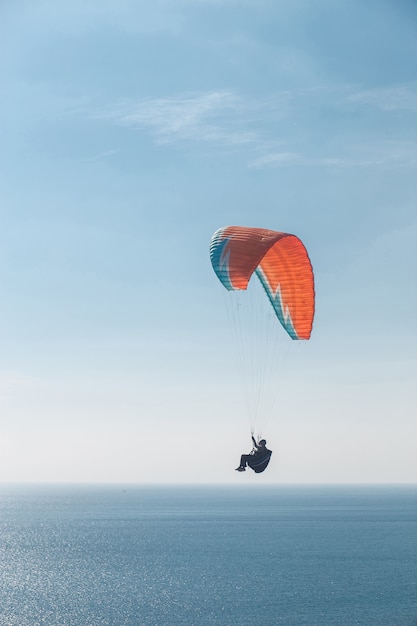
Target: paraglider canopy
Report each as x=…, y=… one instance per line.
x=281, y=263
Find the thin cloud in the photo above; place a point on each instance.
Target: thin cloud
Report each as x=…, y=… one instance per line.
x=381, y=154
x=270, y=129
x=276, y=159
x=393, y=98
x=99, y=157
x=11, y=382
x=213, y=117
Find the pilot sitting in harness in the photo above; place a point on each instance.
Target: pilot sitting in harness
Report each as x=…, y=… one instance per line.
x=258, y=459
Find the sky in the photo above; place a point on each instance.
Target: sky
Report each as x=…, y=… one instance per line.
x=129, y=132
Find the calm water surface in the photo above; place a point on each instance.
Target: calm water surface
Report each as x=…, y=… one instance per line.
x=202, y=556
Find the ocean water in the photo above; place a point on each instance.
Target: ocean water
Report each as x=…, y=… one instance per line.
x=208, y=555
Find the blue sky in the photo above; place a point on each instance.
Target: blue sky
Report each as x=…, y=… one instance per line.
x=130, y=132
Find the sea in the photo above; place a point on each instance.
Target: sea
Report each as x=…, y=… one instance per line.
x=209, y=555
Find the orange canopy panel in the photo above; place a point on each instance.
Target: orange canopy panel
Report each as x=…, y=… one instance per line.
x=281, y=263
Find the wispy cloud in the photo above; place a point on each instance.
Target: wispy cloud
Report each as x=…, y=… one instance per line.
x=282, y=129
x=380, y=154
x=10, y=382
x=213, y=117
x=276, y=159
x=100, y=156
x=392, y=98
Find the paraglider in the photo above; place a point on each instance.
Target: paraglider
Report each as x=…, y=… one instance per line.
x=281, y=263
x=258, y=459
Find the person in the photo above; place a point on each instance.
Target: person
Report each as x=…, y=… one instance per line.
x=258, y=459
